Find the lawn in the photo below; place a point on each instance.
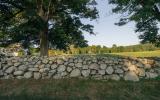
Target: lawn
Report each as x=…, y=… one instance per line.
x=79, y=89
x=140, y=54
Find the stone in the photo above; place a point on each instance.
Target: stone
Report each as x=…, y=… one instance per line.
x=41, y=66
x=93, y=72
x=140, y=65
x=54, y=66
x=63, y=74
x=85, y=67
x=60, y=62
x=93, y=66
x=101, y=72
x=78, y=65
x=33, y=69
x=86, y=73
x=1, y=73
x=119, y=71
x=19, y=77
x=141, y=72
x=109, y=70
x=37, y=75
x=57, y=76
x=16, y=64
x=147, y=66
x=132, y=68
x=69, y=69
x=75, y=73
x=45, y=61
x=10, y=70
x=22, y=68
x=115, y=77
x=151, y=75
x=44, y=70
x=131, y=76
x=28, y=75
x=18, y=73
x=71, y=64
x=61, y=68
x=103, y=66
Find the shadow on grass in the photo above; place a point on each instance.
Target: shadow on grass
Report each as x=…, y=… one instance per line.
x=27, y=97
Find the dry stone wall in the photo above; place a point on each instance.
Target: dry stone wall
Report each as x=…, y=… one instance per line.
x=94, y=67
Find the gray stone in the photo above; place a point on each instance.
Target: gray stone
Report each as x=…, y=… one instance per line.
x=93, y=66
x=147, y=66
x=33, y=69
x=86, y=73
x=93, y=72
x=141, y=72
x=71, y=64
x=54, y=66
x=45, y=61
x=63, y=74
x=119, y=71
x=85, y=67
x=132, y=68
x=19, y=77
x=44, y=70
x=57, y=76
x=101, y=72
x=69, y=69
x=115, y=77
x=109, y=70
x=75, y=73
x=37, y=75
x=60, y=61
x=22, y=68
x=61, y=68
x=131, y=76
x=140, y=65
x=151, y=75
x=28, y=75
x=79, y=65
x=18, y=73
x=10, y=70
x=103, y=66
x=52, y=71
x=16, y=64
x=1, y=73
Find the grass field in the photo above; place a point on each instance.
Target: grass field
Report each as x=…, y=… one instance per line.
x=76, y=89
x=140, y=54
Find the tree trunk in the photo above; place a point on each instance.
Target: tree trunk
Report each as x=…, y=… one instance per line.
x=44, y=43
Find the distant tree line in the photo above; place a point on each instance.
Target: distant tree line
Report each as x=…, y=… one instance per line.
x=114, y=49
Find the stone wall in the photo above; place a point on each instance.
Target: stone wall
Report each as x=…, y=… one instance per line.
x=94, y=67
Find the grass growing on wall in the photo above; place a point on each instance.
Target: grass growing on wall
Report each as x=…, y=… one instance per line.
x=76, y=89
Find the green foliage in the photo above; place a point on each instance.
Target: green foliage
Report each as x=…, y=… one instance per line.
x=146, y=15
x=22, y=21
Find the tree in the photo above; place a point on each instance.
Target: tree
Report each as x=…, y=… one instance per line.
x=146, y=14
x=57, y=22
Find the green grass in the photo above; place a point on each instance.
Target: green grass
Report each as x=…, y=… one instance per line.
x=78, y=89
x=140, y=54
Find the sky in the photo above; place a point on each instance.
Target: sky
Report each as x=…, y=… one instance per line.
x=107, y=33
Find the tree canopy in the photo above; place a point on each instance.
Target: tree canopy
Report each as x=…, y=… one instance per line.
x=47, y=22
x=146, y=15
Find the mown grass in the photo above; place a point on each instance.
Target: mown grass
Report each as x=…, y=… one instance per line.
x=79, y=89
x=140, y=54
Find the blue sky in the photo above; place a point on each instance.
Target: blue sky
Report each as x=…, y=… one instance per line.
x=107, y=33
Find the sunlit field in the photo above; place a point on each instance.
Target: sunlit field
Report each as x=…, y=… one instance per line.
x=140, y=54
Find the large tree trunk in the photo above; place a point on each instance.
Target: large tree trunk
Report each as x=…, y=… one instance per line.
x=44, y=43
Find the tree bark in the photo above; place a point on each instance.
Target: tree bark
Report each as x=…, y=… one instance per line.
x=44, y=43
